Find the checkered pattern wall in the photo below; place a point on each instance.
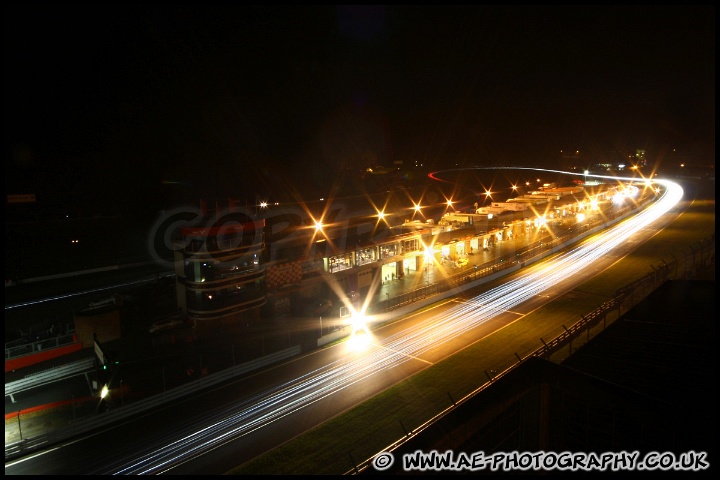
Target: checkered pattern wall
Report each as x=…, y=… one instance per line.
x=289, y=273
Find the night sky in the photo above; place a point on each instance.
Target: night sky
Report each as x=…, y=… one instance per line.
x=115, y=109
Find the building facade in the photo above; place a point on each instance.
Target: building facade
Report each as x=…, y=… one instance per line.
x=245, y=272
x=221, y=273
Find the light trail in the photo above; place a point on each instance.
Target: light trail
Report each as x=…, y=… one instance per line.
x=115, y=286
x=293, y=396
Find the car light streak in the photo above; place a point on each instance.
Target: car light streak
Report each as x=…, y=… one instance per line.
x=264, y=409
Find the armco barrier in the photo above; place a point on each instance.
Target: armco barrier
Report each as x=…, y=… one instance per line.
x=48, y=376
x=87, y=424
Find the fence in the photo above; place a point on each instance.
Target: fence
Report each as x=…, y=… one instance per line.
x=21, y=347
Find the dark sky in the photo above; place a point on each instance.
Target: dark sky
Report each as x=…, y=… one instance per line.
x=114, y=107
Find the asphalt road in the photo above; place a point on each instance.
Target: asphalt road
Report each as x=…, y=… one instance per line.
x=101, y=451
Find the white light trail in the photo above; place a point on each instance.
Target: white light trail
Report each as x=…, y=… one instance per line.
x=293, y=396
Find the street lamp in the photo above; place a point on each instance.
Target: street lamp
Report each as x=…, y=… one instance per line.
x=416, y=209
